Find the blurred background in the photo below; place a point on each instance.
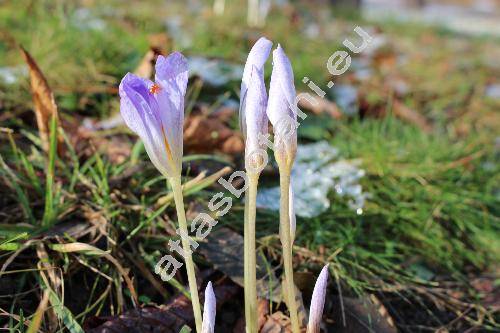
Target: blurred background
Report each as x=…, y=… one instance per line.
x=396, y=180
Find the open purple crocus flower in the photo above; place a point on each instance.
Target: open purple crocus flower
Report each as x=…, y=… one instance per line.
x=155, y=111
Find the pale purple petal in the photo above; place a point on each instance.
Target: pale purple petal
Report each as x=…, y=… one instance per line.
x=172, y=73
x=284, y=74
x=281, y=108
x=256, y=103
x=209, y=310
x=136, y=90
x=172, y=77
x=282, y=88
x=139, y=110
x=257, y=57
x=318, y=302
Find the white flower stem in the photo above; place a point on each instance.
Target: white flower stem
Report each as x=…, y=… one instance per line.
x=246, y=281
x=181, y=215
x=250, y=255
x=286, y=242
x=253, y=13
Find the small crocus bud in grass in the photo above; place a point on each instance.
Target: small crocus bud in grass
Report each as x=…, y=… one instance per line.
x=318, y=302
x=155, y=111
x=281, y=109
x=209, y=309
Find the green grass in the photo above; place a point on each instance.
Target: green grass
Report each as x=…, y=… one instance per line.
x=424, y=203
x=432, y=220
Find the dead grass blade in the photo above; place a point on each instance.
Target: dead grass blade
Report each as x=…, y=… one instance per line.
x=196, y=184
x=55, y=281
x=91, y=250
x=36, y=322
x=146, y=66
x=319, y=105
x=411, y=116
x=148, y=275
x=43, y=99
x=14, y=255
x=20, y=319
x=57, y=305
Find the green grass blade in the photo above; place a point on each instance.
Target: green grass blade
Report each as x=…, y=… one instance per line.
x=49, y=212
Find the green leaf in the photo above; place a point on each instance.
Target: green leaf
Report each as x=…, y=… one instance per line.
x=49, y=212
x=64, y=314
x=185, y=329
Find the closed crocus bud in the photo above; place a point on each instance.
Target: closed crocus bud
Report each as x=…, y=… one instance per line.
x=155, y=111
x=256, y=123
x=209, y=309
x=318, y=302
x=281, y=109
x=253, y=103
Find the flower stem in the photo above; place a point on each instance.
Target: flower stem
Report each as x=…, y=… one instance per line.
x=246, y=281
x=286, y=242
x=250, y=255
x=181, y=215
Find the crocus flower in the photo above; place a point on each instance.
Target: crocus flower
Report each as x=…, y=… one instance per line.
x=155, y=111
x=209, y=309
x=253, y=101
x=281, y=108
x=318, y=302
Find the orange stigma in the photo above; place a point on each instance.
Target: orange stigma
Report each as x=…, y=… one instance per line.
x=155, y=88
